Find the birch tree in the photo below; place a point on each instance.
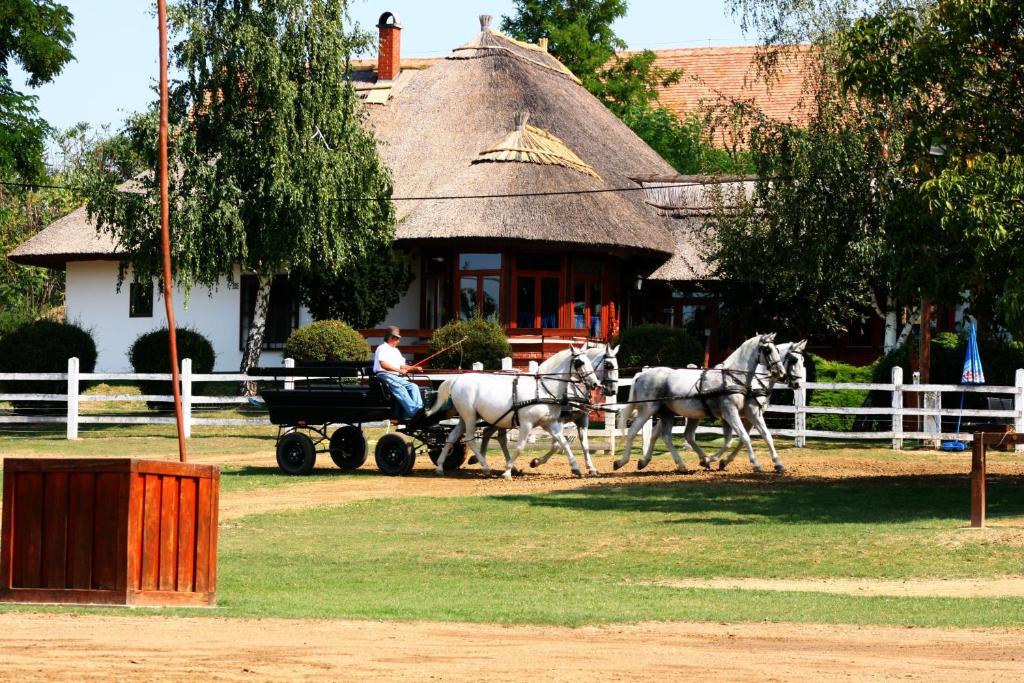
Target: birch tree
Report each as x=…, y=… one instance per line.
x=272, y=168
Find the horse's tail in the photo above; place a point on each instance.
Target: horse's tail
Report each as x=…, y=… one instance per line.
x=444, y=392
x=627, y=413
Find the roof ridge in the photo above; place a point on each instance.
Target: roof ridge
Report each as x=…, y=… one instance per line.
x=529, y=144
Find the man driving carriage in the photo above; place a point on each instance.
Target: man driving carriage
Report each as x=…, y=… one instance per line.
x=390, y=368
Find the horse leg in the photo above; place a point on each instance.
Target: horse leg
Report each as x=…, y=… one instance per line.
x=690, y=435
x=646, y=459
x=453, y=437
x=667, y=424
x=537, y=462
x=555, y=430
x=469, y=424
x=582, y=427
x=731, y=415
x=725, y=462
x=485, y=438
x=726, y=440
x=758, y=419
x=643, y=414
x=525, y=427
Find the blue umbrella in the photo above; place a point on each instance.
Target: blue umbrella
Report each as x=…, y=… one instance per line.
x=972, y=373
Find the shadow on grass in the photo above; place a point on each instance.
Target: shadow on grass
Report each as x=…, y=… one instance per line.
x=853, y=500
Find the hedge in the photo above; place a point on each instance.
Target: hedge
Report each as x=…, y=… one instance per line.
x=150, y=352
x=44, y=346
x=326, y=341
x=657, y=345
x=485, y=343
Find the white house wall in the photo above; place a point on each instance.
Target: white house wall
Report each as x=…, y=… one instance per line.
x=94, y=303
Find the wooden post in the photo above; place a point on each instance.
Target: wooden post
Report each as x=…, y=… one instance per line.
x=478, y=366
x=800, y=417
x=289, y=382
x=506, y=363
x=926, y=341
x=72, y=431
x=533, y=367
x=918, y=402
x=1018, y=406
x=978, y=480
x=186, y=396
x=897, y=408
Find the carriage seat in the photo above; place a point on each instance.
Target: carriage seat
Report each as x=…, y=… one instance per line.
x=379, y=391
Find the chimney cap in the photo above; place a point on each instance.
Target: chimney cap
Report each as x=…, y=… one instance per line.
x=485, y=22
x=396, y=21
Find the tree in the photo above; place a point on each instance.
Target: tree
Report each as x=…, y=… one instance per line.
x=273, y=170
x=952, y=74
x=37, y=35
x=580, y=35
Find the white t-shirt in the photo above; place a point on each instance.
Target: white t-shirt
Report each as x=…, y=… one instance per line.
x=390, y=355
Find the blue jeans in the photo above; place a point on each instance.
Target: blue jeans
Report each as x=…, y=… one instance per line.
x=405, y=392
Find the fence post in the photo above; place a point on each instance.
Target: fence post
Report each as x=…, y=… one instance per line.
x=186, y=396
x=72, y=398
x=1018, y=406
x=800, y=402
x=897, y=408
x=506, y=363
x=289, y=382
x=478, y=366
x=533, y=367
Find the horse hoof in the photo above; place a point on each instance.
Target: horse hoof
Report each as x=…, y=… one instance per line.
x=682, y=470
x=472, y=460
x=516, y=472
x=757, y=469
x=617, y=465
x=577, y=474
x=535, y=462
x=594, y=472
x=722, y=465
x=780, y=469
x=641, y=464
x=439, y=471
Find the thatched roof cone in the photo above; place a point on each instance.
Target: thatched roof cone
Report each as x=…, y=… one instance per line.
x=440, y=120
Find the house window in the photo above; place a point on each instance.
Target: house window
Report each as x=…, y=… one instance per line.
x=479, y=280
x=436, y=291
x=140, y=300
x=588, y=302
x=538, y=291
x=282, y=314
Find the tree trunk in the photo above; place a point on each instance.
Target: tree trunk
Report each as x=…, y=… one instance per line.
x=891, y=316
x=257, y=330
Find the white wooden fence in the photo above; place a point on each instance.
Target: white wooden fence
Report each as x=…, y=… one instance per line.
x=930, y=411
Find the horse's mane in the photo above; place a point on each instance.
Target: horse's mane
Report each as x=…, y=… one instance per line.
x=551, y=365
x=742, y=351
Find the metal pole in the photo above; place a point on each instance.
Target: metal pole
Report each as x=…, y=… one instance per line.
x=165, y=232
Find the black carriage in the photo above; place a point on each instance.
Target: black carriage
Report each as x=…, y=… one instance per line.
x=325, y=409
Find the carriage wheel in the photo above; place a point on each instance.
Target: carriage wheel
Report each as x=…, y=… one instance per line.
x=394, y=455
x=456, y=458
x=296, y=453
x=348, y=447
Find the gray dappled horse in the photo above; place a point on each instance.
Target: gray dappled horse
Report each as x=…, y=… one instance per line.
x=606, y=365
x=697, y=393
x=515, y=400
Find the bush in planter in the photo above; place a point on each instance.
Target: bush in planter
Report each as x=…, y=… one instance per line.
x=150, y=352
x=486, y=343
x=656, y=345
x=44, y=346
x=326, y=341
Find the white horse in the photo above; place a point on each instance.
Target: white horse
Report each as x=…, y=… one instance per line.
x=606, y=366
x=754, y=408
x=521, y=400
x=696, y=393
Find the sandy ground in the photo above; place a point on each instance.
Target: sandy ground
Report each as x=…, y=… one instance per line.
x=116, y=647
x=62, y=647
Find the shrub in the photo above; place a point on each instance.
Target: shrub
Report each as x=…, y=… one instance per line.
x=326, y=341
x=656, y=345
x=150, y=352
x=485, y=343
x=44, y=346
x=835, y=371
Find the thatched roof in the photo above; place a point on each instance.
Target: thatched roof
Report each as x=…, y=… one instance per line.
x=530, y=145
x=72, y=237
x=440, y=120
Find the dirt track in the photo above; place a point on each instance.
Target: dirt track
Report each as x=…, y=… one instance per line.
x=52, y=647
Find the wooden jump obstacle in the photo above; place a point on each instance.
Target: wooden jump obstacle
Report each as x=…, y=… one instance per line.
x=982, y=440
x=109, y=531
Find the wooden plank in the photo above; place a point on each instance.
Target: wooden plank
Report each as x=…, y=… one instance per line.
x=213, y=516
x=187, y=534
x=172, y=468
x=137, y=494
x=81, y=501
x=151, y=533
x=32, y=419
x=28, y=531
x=105, y=557
x=978, y=483
x=55, y=530
x=33, y=397
x=7, y=532
x=204, y=536
x=168, y=533
x=93, y=465
x=177, y=599
x=75, y=596
x=121, y=539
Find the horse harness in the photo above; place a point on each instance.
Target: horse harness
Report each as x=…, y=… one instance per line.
x=739, y=388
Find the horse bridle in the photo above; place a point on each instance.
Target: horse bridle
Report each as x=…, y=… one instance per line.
x=789, y=363
x=776, y=367
x=606, y=387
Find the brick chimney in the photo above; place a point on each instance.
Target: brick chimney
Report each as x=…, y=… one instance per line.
x=389, y=52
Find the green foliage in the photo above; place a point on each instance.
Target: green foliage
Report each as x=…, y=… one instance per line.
x=326, y=341
x=999, y=358
x=264, y=167
x=836, y=371
x=37, y=35
x=44, y=346
x=950, y=76
x=485, y=343
x=150, y=352
x=657, y=345
x=363, y=293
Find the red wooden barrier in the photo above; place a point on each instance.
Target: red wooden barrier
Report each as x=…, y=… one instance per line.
x=109, y=531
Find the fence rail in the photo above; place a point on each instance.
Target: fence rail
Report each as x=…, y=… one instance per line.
x=927, y=418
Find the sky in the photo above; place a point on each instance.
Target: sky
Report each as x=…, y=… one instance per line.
x=115, y=67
